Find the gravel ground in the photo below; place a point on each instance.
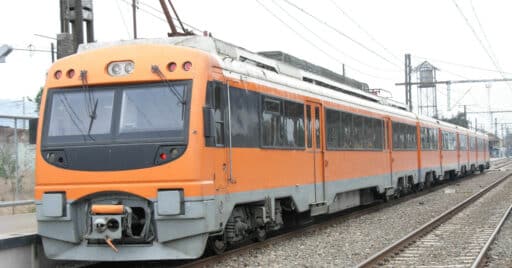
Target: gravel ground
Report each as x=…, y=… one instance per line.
x=347, y=243
x=500, y=253
x=458, y=241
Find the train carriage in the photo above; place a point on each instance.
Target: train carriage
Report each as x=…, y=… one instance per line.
x=463, y=152
x=430, y=156
x=156, y=149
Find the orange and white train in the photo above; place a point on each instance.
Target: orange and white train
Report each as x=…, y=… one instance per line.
x=157, y=149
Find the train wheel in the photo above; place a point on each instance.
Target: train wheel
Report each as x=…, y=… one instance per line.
x=260, y=234
x=217, y=244
x=419, y=187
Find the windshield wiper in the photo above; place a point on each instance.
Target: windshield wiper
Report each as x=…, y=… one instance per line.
x=90, y=101
x=156, y=70
x=92, y=115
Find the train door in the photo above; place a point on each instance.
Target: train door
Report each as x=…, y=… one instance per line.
x=440, y=146
x=457, y=147
x=217, y=112
x=314, y=146
x=389, y=148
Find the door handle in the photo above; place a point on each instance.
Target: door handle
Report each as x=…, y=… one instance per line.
x=326, y=163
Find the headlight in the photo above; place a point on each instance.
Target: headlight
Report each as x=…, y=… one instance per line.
x=120, y=68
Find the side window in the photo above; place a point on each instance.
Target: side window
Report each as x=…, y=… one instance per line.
x=435, y=138
x=353, y=132
x=282, y=123
x=309, y=126
x=293, y=124
x=347, y=130
x=463, y=142
x=317, y=127
x=449, y=141
x=333, y=128
x=271, y=122
x=357, y=137
x=429, y=139
x=216, y=99
x=404, y=136
x=244, y=118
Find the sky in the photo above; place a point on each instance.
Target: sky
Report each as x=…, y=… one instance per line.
x=369, y=36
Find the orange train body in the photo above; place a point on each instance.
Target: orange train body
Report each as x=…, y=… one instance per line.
x=236, y=147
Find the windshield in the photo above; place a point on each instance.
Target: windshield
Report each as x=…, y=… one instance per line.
x=146, y=112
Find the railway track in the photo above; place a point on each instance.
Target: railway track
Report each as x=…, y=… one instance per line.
x=460, y=237
x=211, y=260
x=500, y=164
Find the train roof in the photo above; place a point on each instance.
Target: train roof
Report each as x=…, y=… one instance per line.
x=287, y=71
x=274, y=61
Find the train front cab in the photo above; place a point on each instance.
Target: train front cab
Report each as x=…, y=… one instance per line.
x=119, y=175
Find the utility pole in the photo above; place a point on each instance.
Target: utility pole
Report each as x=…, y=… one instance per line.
x=23, y=111
x=74, y=13
x=503, y=133
x=52, y=48
x=495, y=127
x=5, y=50
x=488, y=87
x=408, y=86
x=134, y=9
x=448, y=95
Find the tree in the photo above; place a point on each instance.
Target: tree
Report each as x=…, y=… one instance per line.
x=458, y=119
x=8, y=168
x=38, y=98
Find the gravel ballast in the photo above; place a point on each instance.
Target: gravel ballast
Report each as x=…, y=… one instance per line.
x=500, y=253
x=347, y=243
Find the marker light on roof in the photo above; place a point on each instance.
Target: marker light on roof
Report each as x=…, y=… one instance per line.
x=57, y=74
x=70, y=73
x=172, y=66
x=187, y=66
x=120, y=68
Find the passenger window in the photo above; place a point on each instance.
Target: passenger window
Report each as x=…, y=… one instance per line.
x=282, y=123
x=216, y=99
x=309, y=126
x=317, y=127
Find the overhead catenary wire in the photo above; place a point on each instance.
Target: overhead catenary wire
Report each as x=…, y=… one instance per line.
x=330, y=44
x=365, y=31
x=343, y=34
x=460, y=99
x=491, y=50
x=302, y=37
x=460, y=64
x=160, y=14
x=475, y=34
x=122, y=19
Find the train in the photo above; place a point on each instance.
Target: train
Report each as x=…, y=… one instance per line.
x=162, y=149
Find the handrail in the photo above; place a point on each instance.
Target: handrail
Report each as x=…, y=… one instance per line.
x=16, y=203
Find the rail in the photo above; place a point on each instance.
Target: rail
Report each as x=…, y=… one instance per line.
x=481, y=257
x=378, y=258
